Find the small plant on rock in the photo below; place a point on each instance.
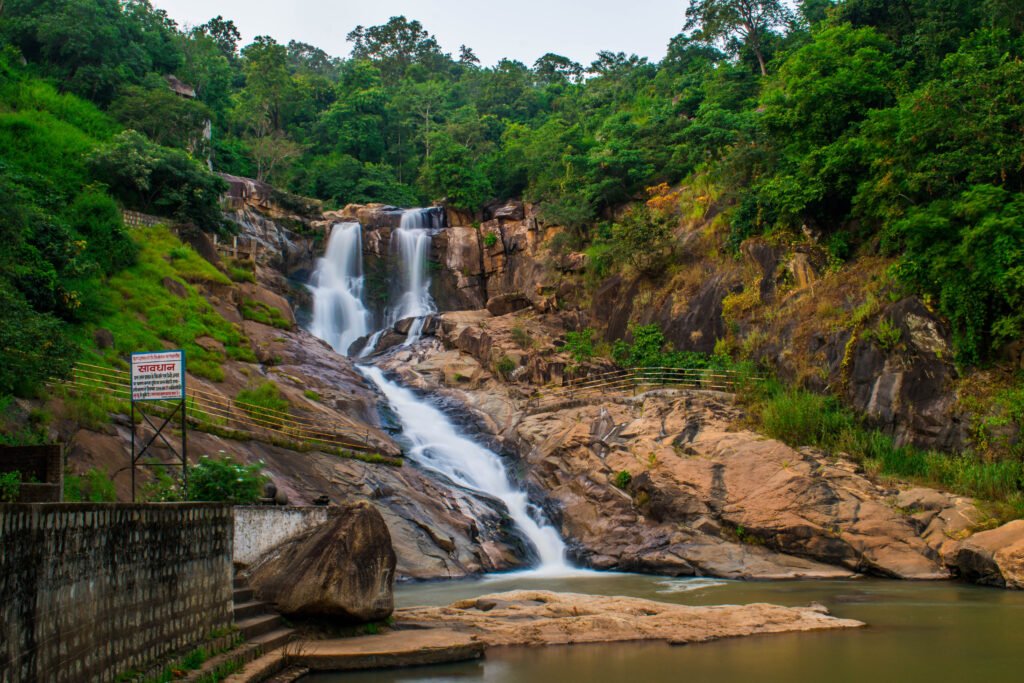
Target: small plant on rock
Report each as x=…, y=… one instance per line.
x=622, y=479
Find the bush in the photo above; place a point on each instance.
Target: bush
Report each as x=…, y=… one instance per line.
x=580, y=345
x=225, y=480
x=95, y=486
x=159, y=180
x=505, y=366
x=10, y=486
x=622, y=479
x=490, y=239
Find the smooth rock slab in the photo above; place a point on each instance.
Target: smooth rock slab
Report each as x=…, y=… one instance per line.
x=547, y=618
x=398, y=648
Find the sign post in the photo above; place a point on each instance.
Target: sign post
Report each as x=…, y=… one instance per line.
x=159, y=376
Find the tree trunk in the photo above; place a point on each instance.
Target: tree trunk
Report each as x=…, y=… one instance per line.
x=760, y=60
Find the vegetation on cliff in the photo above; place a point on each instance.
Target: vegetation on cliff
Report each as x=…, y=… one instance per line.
x=883, y=131
x=888, y=126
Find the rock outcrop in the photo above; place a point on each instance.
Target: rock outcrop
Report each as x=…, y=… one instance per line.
x=669, y=483
x=343, y=570
x=529, y=617
x=994, y=558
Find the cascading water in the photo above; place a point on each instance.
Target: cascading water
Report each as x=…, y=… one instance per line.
x=339, y=315
x=437, y=445
x=410, y=246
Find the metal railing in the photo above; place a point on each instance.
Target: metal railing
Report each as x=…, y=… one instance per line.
x=639, y=380
x=209, y=411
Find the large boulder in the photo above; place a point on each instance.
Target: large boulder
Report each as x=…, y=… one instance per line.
x=504, y=304
x=994, y=558
x=343, y=569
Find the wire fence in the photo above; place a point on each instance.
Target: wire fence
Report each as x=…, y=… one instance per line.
x=209, y=411
x=639, y=380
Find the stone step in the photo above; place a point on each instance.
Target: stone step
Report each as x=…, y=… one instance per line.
x=244, y=610
x=242, y=595
x=271, y=662
x=274, y=639
x=240, y=582
x=258, y=625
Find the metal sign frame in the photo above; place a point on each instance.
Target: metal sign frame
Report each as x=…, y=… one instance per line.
x=179, y=410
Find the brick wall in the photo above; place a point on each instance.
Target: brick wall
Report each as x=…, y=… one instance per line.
x=91, y=591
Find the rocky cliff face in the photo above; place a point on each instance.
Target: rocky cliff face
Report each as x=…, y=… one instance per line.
x=828, y=329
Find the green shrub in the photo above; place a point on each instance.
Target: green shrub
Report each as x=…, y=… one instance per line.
x=505, y=366
x=159, y=180
x=95, y=486
x=225, y=480
x=580, y=345
x=10, y=486
x=622, y=479
x=490, y=239
x=886, y=334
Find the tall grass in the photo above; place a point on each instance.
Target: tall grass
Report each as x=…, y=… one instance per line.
x=800, y=418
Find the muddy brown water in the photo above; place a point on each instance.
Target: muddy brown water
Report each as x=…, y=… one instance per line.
x=917, y=633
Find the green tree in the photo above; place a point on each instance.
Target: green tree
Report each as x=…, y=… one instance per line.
x=224, y=34
x=166, y=118
x=396, y=46
x=452, y=173
x=747, y=21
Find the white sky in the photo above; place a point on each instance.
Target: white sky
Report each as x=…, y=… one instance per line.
x=518, y=29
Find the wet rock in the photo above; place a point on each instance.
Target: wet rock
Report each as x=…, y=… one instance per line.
x=403, y=325
x=994, y=558
x=343, y=569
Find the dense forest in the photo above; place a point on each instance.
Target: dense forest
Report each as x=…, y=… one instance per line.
x=880, y=126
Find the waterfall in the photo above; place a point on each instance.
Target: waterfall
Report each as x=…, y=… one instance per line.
x=410, y=246
x=339, y=315
x=437, y=445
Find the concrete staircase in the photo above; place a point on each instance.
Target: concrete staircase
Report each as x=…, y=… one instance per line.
x=257, y=623
x=265, y=635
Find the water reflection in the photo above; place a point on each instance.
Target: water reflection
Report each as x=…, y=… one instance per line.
x=917, y=632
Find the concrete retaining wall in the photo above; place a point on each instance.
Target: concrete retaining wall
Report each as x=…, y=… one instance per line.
x=91, y=591
x=261, y=529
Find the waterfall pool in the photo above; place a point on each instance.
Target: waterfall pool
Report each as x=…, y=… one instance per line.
x=918, y=632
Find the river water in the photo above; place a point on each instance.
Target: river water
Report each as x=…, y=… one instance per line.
x=916, y=633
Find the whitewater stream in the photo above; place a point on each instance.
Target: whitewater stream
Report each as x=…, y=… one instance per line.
x=340, y=317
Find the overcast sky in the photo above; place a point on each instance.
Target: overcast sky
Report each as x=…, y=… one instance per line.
x=520, y=29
